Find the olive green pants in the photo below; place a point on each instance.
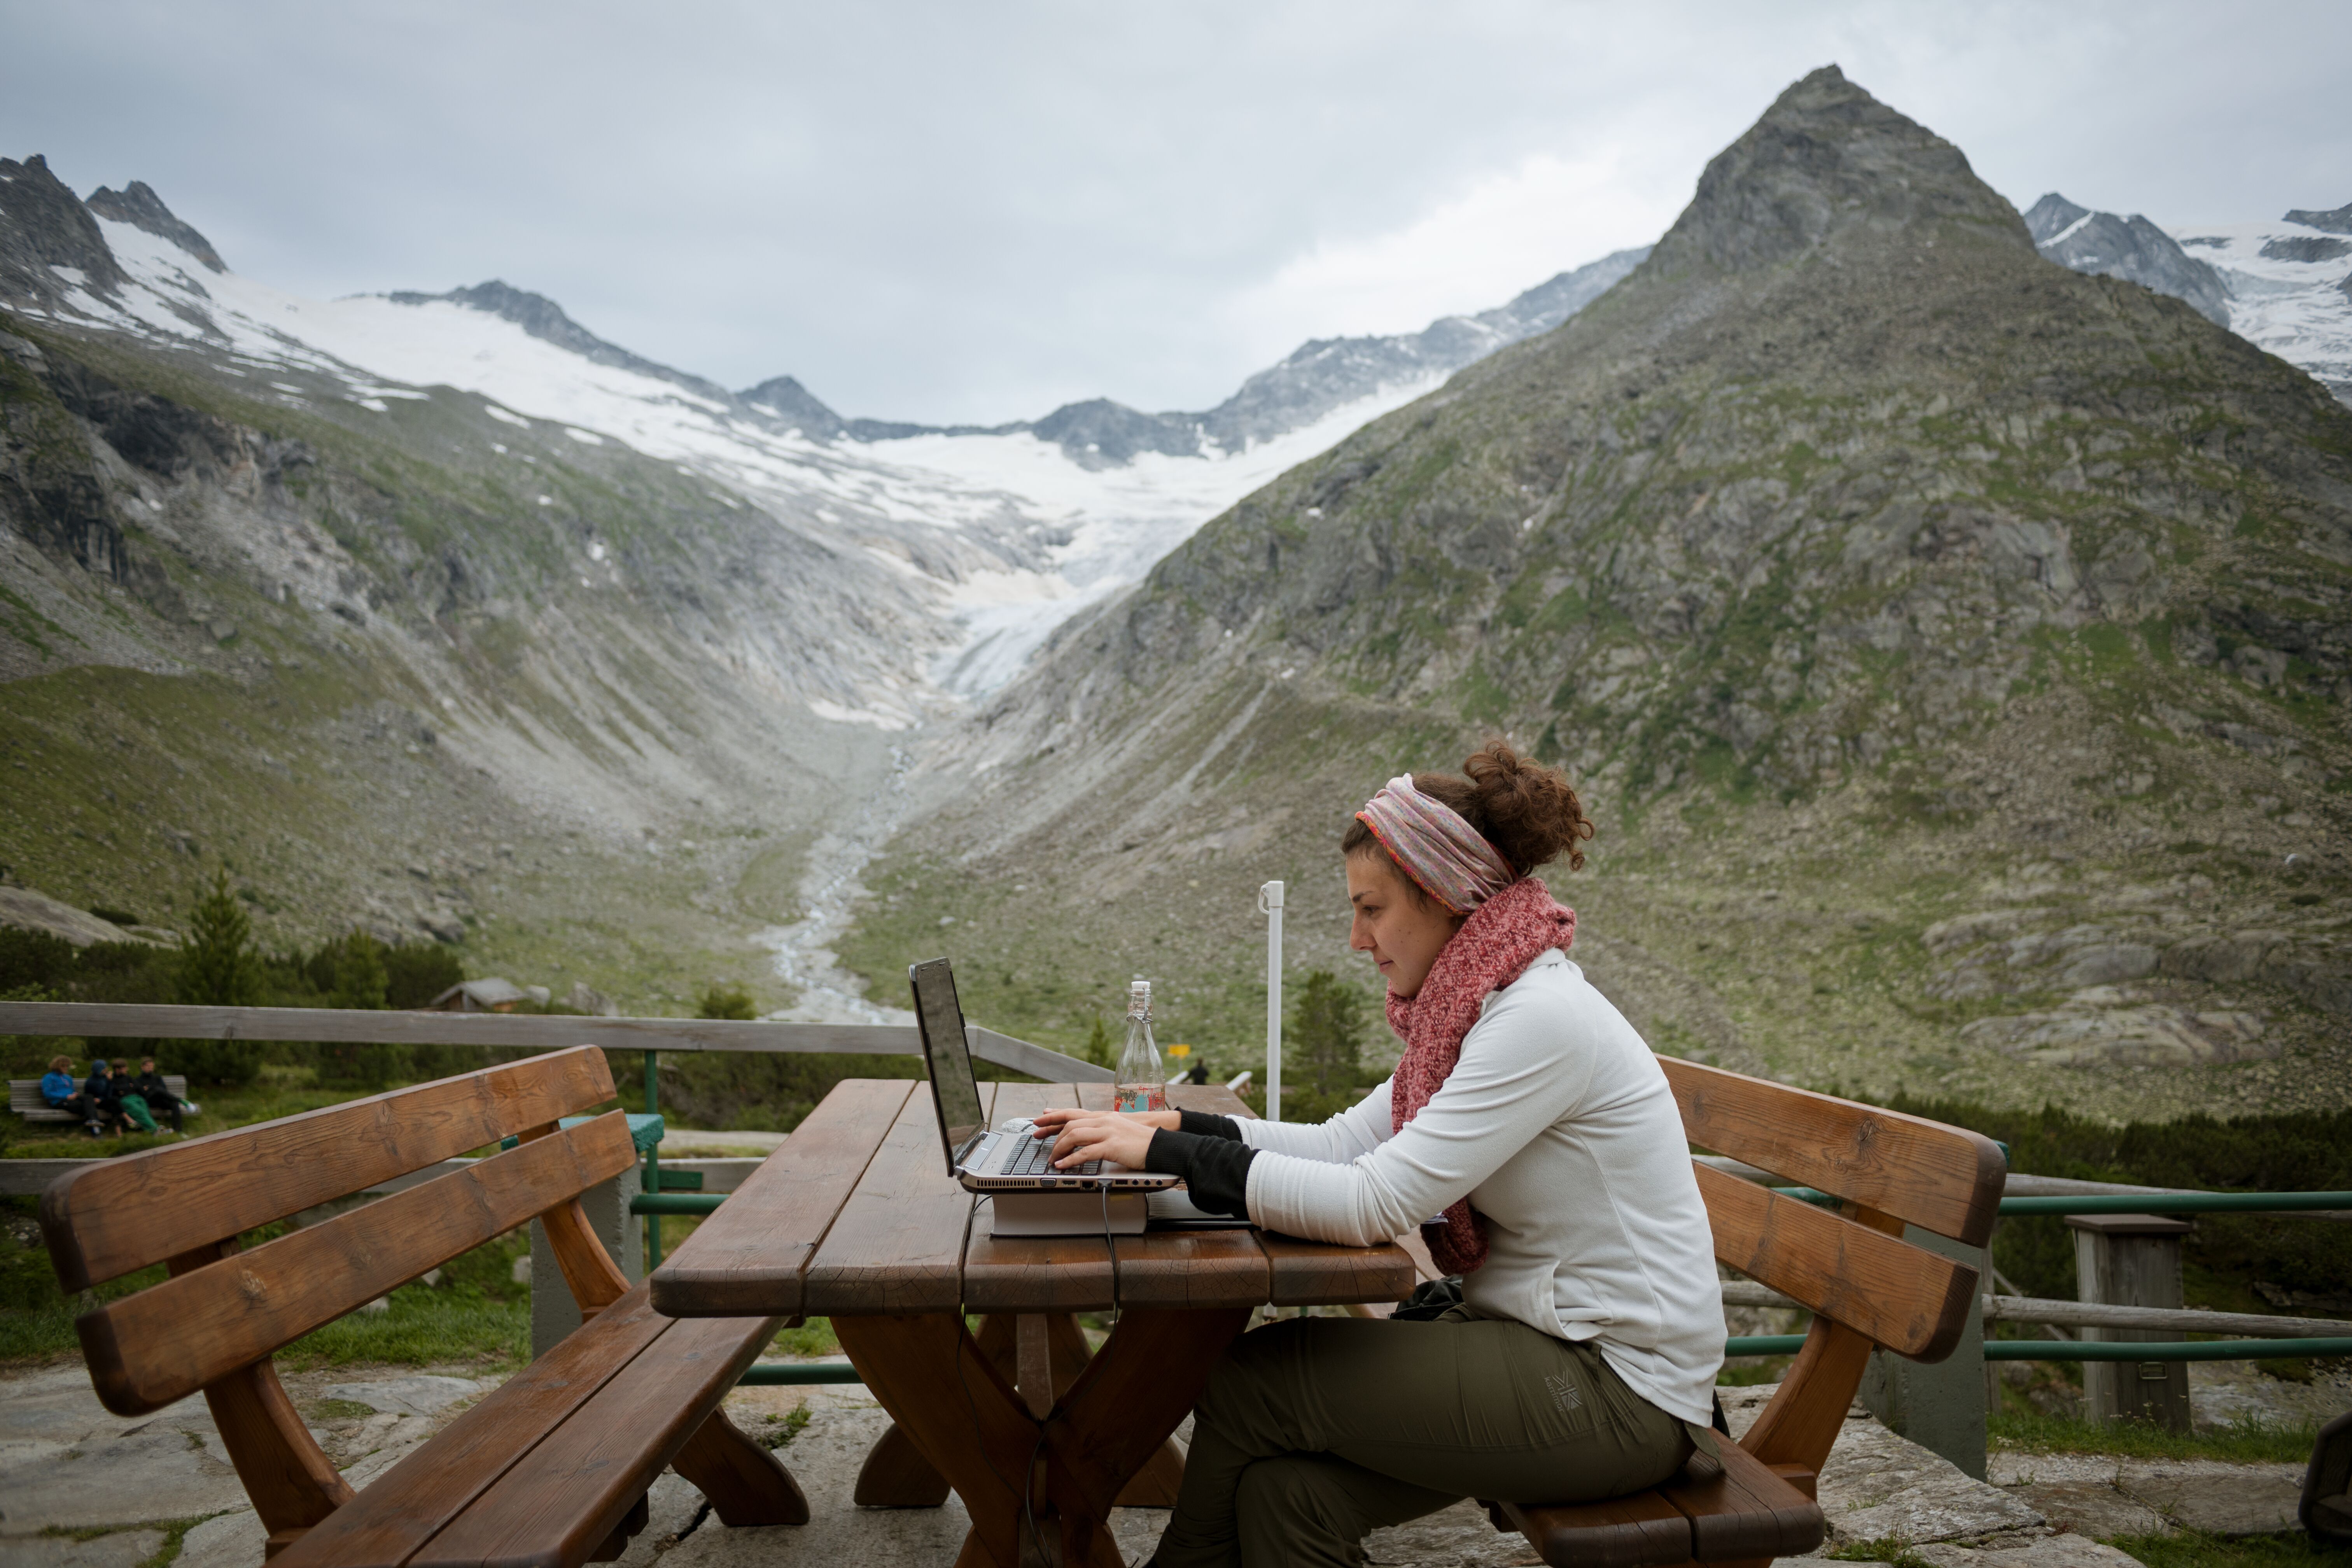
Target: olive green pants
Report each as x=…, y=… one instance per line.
x=1315, y=1432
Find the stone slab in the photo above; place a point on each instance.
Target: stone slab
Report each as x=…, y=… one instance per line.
x=1457, y=1537
x=232, y=1541
x=422, y=1395
x=123, y=1549
x=2217, y=1498
x=2064, y=1551
x=1878, y=1485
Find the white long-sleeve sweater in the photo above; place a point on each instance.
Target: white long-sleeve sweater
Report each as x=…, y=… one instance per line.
x=1559, y=1126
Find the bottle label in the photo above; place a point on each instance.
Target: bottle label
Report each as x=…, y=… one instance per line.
x=1129, y=1098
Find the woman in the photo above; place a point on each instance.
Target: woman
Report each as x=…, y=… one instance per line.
x=1528, y=1116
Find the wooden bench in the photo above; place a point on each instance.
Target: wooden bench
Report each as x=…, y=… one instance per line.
x=24, y=1098
x=550, y=1469
x=1867, y=1288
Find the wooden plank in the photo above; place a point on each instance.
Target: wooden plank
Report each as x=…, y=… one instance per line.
x=1035, y=1273
x=1642, y=1530
x=104, y=1220
x=562, y=1499
x=1944, y=1179
x=1906, y=1298
x=407, y=1504
x=749, y=1259
x=1188, y=1269
x=1129, y=1399
x=1798, y=1427
x=897, y=1247
x=170, y=1339
x=513, y=1031
x=1318, y=1274
x=1741, y=1509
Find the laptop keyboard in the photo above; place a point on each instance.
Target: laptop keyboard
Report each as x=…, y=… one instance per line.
x=1034, y=1157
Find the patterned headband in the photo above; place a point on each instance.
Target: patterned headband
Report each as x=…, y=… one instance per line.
x=1448, y=858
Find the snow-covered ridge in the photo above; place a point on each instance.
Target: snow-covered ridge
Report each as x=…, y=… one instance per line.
x=1030, y=535
x=2290, y=292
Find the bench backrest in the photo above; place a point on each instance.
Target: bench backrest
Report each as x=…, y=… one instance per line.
x=224, y=1310
x=1866, y=1286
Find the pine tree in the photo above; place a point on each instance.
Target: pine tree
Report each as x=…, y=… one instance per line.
x=360, y=975
x=1099, y=1044
x=1326, y=1032
x=219, y=968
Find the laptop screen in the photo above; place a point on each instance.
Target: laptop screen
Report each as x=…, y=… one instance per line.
x=954, y=1091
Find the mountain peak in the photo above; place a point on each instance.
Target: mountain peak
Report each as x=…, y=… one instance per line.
x=2052, y=215
x=50, y=242
x=1827, y=162
x=139, y=205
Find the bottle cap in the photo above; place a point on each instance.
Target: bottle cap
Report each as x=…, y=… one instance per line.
x=1139, y=996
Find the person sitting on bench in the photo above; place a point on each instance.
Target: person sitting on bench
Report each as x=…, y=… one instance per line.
x=102, y=1101
x=150, y=1087
x=1579, y=1361
x=127, y=1100
x=59, y=1092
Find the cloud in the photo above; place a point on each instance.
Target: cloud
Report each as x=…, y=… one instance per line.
x=1471, y=251
x=933, y=209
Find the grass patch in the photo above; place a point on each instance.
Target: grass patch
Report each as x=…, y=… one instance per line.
x=783, y=1429
x=813, y=1337
x=1747, y=1370
x=2246, y=1439
x=2194, y=1549
x=1893, y=1549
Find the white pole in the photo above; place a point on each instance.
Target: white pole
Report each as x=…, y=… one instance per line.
x=1269, y=903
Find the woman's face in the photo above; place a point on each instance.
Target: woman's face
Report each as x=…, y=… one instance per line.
x=1403, y=933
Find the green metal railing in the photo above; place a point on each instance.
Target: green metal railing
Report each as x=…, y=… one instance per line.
x=2092, y=1350
x=2137, y=1202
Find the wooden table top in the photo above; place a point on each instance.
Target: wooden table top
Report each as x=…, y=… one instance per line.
x=856, y=1213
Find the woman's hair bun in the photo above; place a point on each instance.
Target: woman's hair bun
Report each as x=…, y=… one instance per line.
x=1527, y=811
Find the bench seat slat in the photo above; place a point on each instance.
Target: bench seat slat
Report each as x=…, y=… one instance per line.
x=1939, y=1178
x=108, y=1218
x=170, y=1339
x=1911, y=1300
x=561, y=1500
x=1642, y=1531
x=386, y=1525
x=1745, y=1511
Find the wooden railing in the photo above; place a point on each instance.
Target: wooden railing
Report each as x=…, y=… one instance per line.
x=515, y=1031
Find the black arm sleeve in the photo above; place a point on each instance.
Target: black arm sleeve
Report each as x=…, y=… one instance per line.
x=1208, y=1124
x=1215, y=1170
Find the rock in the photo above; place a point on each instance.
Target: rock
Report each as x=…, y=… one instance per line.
x=1878, y=1485
x=1967, y=930
x=2066, y=1551
x=2074, y=1491
x=2217, y=1498
x=123, y=1549
x=221, y=629
x=422, y=1395
x=381, y=1304
x=520, y=1272
x=2149, y=1035
x=38, y=912
x=1457, y=1537
x=231, y=1541
x=585, y=998
x=2107, y=962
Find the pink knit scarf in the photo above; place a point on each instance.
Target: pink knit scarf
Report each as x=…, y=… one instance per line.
x=1494, y=947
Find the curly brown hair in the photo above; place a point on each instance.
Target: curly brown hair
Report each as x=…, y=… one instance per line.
x=1529, y=813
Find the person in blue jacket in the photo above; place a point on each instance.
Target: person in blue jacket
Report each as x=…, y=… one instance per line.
x=59, y=1092
x=103, y=1102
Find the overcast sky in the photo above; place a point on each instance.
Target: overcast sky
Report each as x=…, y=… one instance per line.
x=979, y=210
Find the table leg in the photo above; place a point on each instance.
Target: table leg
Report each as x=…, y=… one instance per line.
x=970, y=1421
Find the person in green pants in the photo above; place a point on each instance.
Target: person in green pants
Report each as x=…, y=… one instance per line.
x=127, y=1097
x=1529, y=1117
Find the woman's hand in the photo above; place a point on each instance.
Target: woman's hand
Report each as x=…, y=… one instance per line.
x=1124, y=1138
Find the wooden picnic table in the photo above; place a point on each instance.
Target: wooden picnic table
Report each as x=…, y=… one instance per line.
x=856, y=1219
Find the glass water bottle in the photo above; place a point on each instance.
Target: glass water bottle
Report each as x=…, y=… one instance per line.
x=1142, y=1081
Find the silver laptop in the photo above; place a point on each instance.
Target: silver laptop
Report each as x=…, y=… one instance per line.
x=1008, y=1160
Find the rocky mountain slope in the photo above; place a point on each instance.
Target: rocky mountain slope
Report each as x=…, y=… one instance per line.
x=1953, y=646
x=2129, y=247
